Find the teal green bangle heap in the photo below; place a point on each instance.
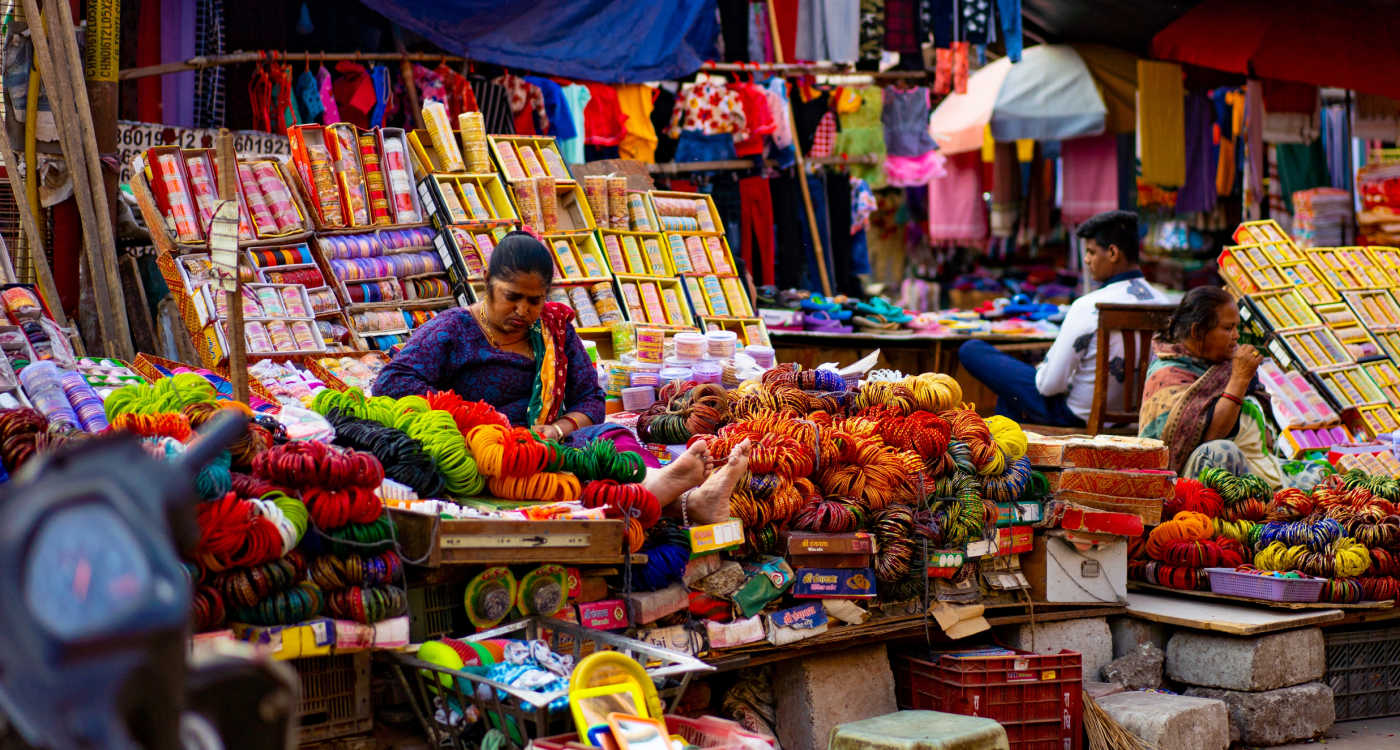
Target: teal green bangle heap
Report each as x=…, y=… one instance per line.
x=598, y=459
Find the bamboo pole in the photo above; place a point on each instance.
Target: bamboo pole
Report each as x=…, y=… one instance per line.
x=801, y=164
x=237, y=343
x=60, y=66
x=239, y=58
x=410, y=88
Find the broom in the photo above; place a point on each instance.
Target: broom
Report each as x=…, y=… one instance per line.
x=1105, y=733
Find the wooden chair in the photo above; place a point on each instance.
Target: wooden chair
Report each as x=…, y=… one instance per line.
x=1136, y=325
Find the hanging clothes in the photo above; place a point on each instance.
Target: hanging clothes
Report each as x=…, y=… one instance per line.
x=430, y=85
x=816, y=187
x=1090, y=168
x=1300, y=166
x=757, y=118
x=576, y=97
x=901, y=27
x=383, y=96
x=635, y=100
x=1009, y=11
x=862, y=206
x=1229, y=122
x=604, y=124
x=757, y=226
x=825, y=137
x=1334, y=143
x=1006, y=190
x=494, y=104
x=911, y=155
x=862, y=134
x=662, y=108
x=1161, y=123
x=828, y=30
x=976, y=20
x=561, y=121
x=708, y=107
x=838, y=218
x=760, y=34
x=308, y=97
x=327, y=91
x=354, y=93
x=956, y=210
x=785, y=14
x=808, y=109
x=790, y=221
x=1040, y=196
x=1197, y=191
x=734, y=29
x=460, y=97
x=872, y=34
x=1253, y=148
x=526, y=102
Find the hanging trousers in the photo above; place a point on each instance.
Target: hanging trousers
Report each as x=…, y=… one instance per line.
x=756, y=203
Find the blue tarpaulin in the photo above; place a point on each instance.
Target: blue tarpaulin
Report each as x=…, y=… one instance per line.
x=612, y=41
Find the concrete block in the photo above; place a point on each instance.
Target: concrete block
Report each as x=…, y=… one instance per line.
x=1275, y=717
x=1171, y=722
x=1098, y=690
x=1141, y=668
x=1263, y=662
x=1128, y=632
x=920, y=730
x=1089, y=636
x=816, y=693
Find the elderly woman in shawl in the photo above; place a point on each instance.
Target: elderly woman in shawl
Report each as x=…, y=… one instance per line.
x=1202, y=397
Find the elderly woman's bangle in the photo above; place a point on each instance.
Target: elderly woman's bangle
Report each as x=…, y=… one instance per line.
x=571, y=421
x=1238, y=401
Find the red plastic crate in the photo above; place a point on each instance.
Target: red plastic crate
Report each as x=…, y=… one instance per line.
x=1036, y=697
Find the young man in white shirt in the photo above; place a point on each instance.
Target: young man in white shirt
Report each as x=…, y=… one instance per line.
x=1060, y=391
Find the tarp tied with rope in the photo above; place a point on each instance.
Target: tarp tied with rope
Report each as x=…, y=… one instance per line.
x=613, y=41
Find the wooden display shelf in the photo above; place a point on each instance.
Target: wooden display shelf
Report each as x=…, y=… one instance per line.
x=490, y=541
x=896, y=627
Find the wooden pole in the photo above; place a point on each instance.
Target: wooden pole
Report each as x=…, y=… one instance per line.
x=801, y=164
x=60, y=67
x=238, y=58
x=406, y=71
x=237, y=344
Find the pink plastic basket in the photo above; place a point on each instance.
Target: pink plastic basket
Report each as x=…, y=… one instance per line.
x=1271, y=588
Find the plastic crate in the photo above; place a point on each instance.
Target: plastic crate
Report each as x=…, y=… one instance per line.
x=430, y=611
x=335, y=699
x=1234, y=583
x=1036, y=697
x=1363, y=670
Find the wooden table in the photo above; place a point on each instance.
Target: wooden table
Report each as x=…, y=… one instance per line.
x=909, y=352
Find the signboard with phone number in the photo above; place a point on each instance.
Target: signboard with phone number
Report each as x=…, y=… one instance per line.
x=135, y=137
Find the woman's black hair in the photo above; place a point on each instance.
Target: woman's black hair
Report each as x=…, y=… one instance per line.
x=517, y=253
x=1199, y=311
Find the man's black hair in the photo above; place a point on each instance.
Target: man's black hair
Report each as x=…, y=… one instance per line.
x=1113, y=228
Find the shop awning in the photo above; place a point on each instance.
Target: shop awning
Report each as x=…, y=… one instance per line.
x=1347, y=45
x=612, y=41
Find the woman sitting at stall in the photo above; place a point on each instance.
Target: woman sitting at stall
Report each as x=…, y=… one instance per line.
x=1202, y=397
x=520, y=353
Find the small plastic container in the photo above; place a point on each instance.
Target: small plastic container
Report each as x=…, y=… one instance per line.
x=675, y=373
x=706, y=372
x=690, y=346
x=637, y=398
x=722, y=344
x=764, y=356
x=644, y=375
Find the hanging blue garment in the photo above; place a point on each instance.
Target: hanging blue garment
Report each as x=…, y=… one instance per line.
x=379, y=75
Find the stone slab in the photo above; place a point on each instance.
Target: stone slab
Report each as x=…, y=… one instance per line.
x=817, y=693
x=1089, y=636
x=1171, y=722
x=1128, y=632
x=1275, y=717
x=1265, y=662
x=1139, y=669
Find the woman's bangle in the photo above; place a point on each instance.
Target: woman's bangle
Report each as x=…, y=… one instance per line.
x=571, y=420
x=1238, y=401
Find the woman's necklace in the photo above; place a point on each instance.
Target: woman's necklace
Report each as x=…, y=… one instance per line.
x=484, y=323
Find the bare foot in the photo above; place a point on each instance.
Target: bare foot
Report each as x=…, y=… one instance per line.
x=688, y=470
x=709, y=503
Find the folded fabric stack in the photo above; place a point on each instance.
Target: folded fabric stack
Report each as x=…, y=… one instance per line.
x=1319, y=216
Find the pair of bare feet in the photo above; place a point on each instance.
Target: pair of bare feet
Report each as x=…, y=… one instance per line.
x=709, y=500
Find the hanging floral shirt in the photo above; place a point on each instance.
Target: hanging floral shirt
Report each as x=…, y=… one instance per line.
x=862, y=205
x=709, y=107
x=526, y=103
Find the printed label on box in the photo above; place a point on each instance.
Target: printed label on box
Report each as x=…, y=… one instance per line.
x=609, y=614
x=834, y=583
x=803, y=616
